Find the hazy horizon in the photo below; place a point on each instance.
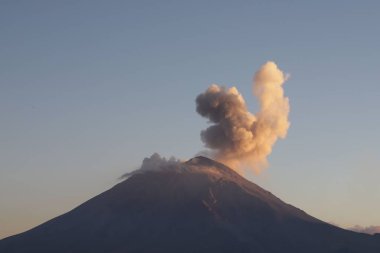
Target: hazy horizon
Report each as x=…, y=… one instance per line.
x=89, y=89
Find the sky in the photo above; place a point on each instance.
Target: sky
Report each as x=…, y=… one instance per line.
x=90, y=88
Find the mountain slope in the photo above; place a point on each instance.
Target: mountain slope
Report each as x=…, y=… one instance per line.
x=196, y=206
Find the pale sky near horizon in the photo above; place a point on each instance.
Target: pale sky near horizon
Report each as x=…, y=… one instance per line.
x=90, y=88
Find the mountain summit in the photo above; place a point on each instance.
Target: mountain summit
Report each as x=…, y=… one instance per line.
x=195, y=206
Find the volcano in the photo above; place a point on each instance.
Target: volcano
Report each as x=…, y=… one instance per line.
x=195, y=206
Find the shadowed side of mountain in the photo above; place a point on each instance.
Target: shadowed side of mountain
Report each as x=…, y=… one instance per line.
x=199, y=206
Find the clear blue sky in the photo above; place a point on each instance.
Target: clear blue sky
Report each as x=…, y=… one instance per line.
x=90, y=88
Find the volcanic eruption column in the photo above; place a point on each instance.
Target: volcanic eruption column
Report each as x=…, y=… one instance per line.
x=237, y=137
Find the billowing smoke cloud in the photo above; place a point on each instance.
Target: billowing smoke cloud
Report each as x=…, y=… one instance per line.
x=239, y=138
x=155, y=163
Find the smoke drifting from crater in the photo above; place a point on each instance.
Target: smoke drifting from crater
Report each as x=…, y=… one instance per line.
x=237, y=137
x=368, y=230
x=155, y=163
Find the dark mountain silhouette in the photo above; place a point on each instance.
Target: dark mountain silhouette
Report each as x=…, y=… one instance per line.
x=197, y=206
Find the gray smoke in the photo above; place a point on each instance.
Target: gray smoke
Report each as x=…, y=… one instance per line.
x=155, y=163
x=368, y=230
x=239, y=138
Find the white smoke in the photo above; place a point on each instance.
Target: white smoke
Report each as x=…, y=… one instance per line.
x=239, y=138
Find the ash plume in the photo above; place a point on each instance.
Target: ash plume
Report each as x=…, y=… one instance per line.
x=237, y=137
